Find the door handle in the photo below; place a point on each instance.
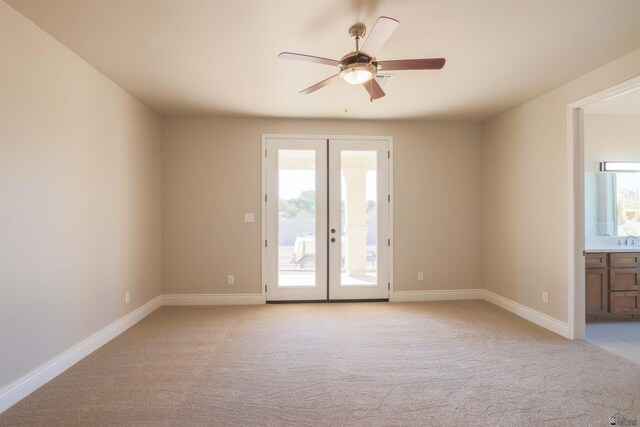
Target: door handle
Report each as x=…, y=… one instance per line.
x=333, y=230
x=333, y=239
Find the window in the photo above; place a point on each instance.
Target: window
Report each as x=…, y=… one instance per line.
x=627, y=204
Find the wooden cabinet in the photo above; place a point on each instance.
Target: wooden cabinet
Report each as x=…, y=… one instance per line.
x=624, y=260
x=597, y=291
x=596, y=260
x=624, y=303
x=612, y=286
x=624, y=279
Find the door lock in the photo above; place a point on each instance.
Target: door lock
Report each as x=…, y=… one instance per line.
x=333, y=230
x=333, y=239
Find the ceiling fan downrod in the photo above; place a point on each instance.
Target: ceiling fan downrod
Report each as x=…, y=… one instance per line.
x=357, y=31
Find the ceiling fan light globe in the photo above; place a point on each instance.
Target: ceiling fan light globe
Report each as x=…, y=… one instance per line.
x=356, y=76
x=358, y=73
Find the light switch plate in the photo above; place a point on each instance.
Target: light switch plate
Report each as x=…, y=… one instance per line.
x=248, y=217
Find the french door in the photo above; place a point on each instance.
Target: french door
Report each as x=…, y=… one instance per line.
x=326, y=219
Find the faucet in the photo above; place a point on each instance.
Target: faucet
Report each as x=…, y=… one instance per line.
x=633, y=240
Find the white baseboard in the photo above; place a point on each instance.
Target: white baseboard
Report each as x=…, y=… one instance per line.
x=534, y=316
x=23, y=386
x=212, y=299
x=17, y=390
x=444, y=295
x=540, y=319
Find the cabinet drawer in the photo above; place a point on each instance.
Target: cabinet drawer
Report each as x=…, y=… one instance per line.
x=595, y=260
x=624, y=279
x=621, y=302
x=625, y=260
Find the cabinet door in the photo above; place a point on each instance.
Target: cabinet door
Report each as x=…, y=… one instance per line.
x=624, y=279
x=624, y=302
x=596, y=291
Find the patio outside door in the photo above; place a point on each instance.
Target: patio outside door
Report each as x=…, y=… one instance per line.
x=326, y=219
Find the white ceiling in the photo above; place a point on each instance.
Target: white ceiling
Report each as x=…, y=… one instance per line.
x=184, y=57
x=627, y=104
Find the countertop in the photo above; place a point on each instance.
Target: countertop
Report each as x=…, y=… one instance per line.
x=613, y=248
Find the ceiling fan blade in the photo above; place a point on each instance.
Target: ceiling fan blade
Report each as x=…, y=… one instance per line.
x=308, y=58
x=374, y=89
x=320, y=85
x=381, y=31
x=412, y=64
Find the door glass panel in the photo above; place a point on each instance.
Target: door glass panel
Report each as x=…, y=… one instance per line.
x=296, y=218
x=359, y=199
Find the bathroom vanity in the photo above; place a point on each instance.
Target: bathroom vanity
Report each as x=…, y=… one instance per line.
x=612, y=243
x=612, y=283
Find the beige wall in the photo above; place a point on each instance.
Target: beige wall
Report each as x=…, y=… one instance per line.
x=609, y=137
x=80, y=199
x=526, y=196
x=82, y=172
x=212, y=175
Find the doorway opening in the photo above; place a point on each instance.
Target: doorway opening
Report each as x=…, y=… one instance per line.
x=604, y=273
x=327, y=218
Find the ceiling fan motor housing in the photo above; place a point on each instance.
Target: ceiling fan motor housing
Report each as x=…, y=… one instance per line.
x=355, y=57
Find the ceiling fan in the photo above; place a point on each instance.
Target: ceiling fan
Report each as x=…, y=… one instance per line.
x=360, y=67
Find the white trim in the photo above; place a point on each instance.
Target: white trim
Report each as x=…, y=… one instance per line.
x=317, y=292
x=610, y=92
x=266, y=136
x=390, y=227
x=301, y=136
x=212, y=299
x=575, y=205
x=22, y=387
x=534, y=316
x=263, y=213
x=27, y=384
x=518, y=309
x=575, y=168
x=380, y=289
x=442, y=295
x=527, y=313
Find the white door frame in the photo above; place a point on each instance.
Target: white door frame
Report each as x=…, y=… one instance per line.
x=265, y=137
x=381, y=290
x=317, y=292
x=575, y=147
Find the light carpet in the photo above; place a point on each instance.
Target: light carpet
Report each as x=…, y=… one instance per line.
x=462, y=363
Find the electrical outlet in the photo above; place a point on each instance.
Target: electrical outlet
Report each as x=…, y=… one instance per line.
x=420, y=276
x=545, y=297
x=126, y=297
x=231, y=280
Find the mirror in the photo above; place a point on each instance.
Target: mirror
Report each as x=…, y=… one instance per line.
x=612, y=204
